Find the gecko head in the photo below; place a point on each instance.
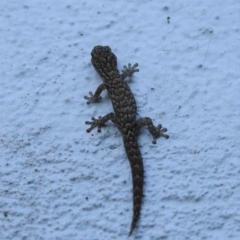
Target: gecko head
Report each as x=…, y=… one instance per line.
x=103, y=58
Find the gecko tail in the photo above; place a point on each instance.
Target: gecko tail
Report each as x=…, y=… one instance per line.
x=136, y=163
x=137, y=200
x=133, y=225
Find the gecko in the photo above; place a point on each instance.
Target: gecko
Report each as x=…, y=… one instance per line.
x=124, y=116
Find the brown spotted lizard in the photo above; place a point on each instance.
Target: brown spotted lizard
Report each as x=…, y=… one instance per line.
x=124, y=116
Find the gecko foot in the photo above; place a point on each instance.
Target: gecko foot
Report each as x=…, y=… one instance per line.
x=129, y=69
x=160, y=131
x=92, y=98
x=95, y=123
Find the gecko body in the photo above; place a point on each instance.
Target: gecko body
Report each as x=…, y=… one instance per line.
x=124, y=116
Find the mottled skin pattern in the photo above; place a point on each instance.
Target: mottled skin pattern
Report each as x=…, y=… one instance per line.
x=124, y=116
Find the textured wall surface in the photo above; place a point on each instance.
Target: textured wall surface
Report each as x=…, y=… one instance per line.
x=57, y=181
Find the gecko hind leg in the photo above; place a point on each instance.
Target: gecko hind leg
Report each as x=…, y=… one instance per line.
x=156, y=132
x=100, y=122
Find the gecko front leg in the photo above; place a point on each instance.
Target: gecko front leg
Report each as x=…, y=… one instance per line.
x=129, y=70
x=96, y=96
